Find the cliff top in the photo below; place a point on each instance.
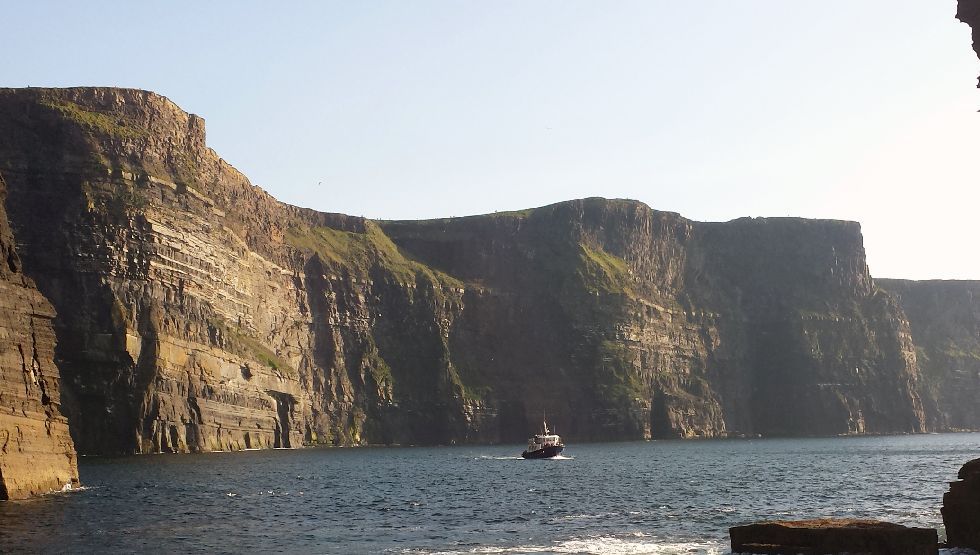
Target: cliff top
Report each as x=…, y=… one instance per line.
x=147, y=134
x=625, y=204
x=138, y=113
x=103, y=99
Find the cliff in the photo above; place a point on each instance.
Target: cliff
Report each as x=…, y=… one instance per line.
x=36, y=452
x=198, y=313
x=195, y=312
x=945, y=324
x=645, y=324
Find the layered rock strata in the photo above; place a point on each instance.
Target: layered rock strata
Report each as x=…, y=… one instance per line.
x=36, y=451
x=195, y=312
x=961, y=508
x=644, y=324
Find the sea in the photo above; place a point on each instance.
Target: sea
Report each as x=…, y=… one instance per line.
x=650, y=497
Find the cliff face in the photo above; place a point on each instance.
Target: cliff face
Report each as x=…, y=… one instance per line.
x=645, y=324
x=195, y=312
x=822, y=348
x=36, y=452
x=945, y=321
x=198, y=313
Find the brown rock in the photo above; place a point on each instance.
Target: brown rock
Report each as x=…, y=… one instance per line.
x=36, y=452
x=961, y=508
x=820, y=536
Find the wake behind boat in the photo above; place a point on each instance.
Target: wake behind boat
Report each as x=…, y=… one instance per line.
x=543, y=446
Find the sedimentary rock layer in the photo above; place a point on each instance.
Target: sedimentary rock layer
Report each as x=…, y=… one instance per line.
x=195, y=312
x=36, y=452
x=648, y=324
x=198, y=313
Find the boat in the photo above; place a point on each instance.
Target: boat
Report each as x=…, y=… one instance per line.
x=543, y=446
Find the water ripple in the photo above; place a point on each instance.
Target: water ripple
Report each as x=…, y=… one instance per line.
x=661, y=497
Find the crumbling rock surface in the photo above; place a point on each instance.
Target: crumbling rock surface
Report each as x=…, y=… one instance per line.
x=196, y=312
x=36, y=452
x=821, y=536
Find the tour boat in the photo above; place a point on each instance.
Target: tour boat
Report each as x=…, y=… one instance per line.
x=543, y=446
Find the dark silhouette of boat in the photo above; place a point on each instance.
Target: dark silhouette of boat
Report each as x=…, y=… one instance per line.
x=543, y=446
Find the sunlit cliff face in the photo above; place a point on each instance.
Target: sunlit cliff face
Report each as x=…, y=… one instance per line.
x=215, y=317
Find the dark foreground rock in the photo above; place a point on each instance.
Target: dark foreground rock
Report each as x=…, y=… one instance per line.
x=833, y=536
x=961, y=508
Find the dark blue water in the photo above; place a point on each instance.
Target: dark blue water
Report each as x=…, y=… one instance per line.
x=644, y=497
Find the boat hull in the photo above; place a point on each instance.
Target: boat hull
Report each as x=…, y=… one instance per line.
x=544, y=453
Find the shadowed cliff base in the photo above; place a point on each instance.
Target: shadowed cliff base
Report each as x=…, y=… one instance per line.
x=196, y=312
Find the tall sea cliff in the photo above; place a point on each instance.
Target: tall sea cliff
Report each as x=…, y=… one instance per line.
x=36, y=451
x=195, y=312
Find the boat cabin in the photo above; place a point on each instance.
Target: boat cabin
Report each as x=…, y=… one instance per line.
x=541, y=441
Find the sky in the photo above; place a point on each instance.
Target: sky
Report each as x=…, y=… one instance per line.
x=860, y=110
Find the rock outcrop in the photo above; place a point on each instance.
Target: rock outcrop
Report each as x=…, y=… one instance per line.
x=961, y=508
x=816, y=537
x=968, y=11
x=36, y=452
x=195, y=312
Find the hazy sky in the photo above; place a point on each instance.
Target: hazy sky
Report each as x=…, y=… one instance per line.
x=851, y=109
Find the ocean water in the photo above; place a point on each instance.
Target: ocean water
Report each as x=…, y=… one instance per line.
x=660, y=497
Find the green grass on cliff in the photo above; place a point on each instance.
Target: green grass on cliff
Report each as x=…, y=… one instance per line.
x=604, y=272
x=182, y=169
x=241, y=343
x=954, y=349
x=361, y=251
x=377, y=368
x=96, y=122
x=616, y=379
